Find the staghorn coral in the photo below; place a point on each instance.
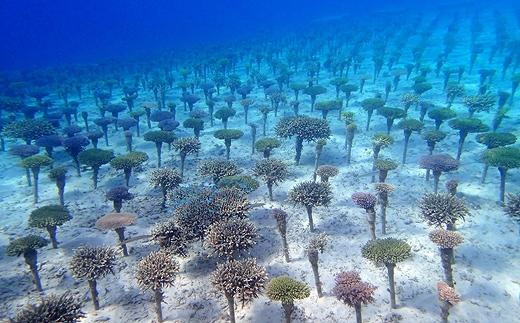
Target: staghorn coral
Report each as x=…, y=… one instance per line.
x=367, y=201
x=230, y=202
x=228, y=237
x=218, y=168
x=228, y=135
x=438, y=164
x=243, y=182
x=326, y=171
x=155, y=272
x=448, y=297
x=117, y=195
x=167, y=179
x=27, y=246
x=272, y=172
x=311, y=194
x=92, y=264
x=186, y=146
x=196, y=214
x=442, y=209
x=52, y=308
x=388, y=251
x=170, y=237
x=241, y=279
x=95, y=158
x=383, y=189
x=504, y=158
x=281, y=224
x=49, y=218
x=35, y=163
x=351, y=290
x=304, y=129
x=446, y=240
x=59, y=176
x=286, y=290
x=117, y=222
x=316, y=246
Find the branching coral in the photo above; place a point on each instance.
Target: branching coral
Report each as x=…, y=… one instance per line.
x=266, y=145
x=186, y=146
x=155, y=272
x=53, y=308
x=230, y=202
x=196, y=214
x=466, y=126
x=367, y=201
x=316, y=246
x=351, y=290
x=388, y=251
x=326, y=171
x=159, y=137
x=217, y=168
x=383, y=189
x=281, y=224
x=448, y=298
x=438, y=164
x=243, y=182
x=49, y=218
x=242, y=279
x=228, y=135
x=170, y=237
x=228, y=237
x=512, y=206
x=92, y=264
x=272, y=172
x=128, y=162
x=311, y=194
x=167, y=179
x=442, y=209
x=286, y=290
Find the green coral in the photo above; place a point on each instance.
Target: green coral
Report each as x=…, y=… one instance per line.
x=285, y=289
x=266, y=144
x=36, y=161
x=385, y=164
x=159, y=136
x=386, y=251
x=502, y=157
x=243, y=182
x=25, y=244
x=29, y=129
x=228, y=134
x=496, y=139
x=48, y=216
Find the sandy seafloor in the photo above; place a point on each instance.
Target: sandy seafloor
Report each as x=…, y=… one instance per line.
x=487, y=265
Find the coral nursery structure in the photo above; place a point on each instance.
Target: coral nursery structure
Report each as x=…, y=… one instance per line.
x=260, y=162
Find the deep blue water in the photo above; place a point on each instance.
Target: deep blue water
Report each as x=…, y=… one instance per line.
x=45, y=32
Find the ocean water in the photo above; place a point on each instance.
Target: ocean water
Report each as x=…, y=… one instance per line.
x=205, y=161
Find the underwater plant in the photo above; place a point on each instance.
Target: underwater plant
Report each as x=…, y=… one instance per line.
x=389, y=252
x=367, y=201
x=409, y=126
x=117, y=222
x=229, y=237
x=27, y=246
x=303, y=128
x=504, y=158
x=117, y=195
x=442, y=209
x=49, y=217
x=228, y=135
x=51, y=308
x=266, y=145
x=167, y=179
x=35, y=163
x=448, y=297
x=466, y=126
x=351, y=290
x=217, y=169
x=286, y=290
x=74, y=146
x=95, y=158
x=59, y=176
x=272, y=172
x=186, y=146
x=159, y=137
x=92, y=264
x=446, y=241
x=316, y=246
x=311, y=194
x=370, y=105
x=155, y=272
x=128, y=162
x=281, y=224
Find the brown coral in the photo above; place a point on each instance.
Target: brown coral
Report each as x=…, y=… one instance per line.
x=228, y=237
x=447, y=293
x=351, y=290
x=446, y=239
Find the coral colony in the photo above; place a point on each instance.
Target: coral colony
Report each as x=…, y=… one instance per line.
x=195, y=186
